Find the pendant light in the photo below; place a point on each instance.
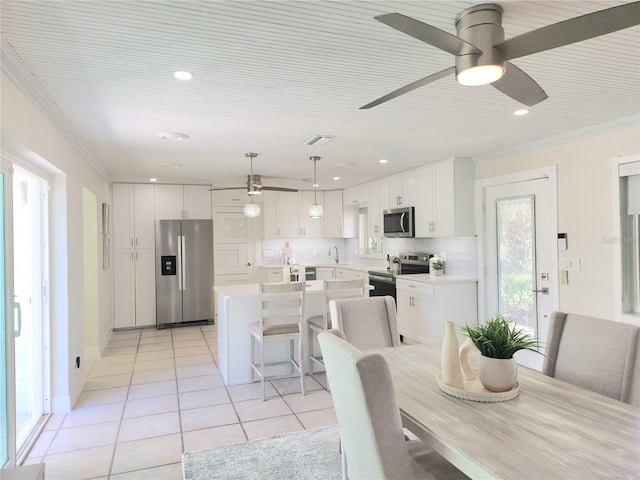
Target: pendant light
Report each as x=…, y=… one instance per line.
x=251, y=210
x=315, y=210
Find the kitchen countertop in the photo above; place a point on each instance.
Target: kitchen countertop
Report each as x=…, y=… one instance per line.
x=444, y=279
x=252, y=289
x=346, y=266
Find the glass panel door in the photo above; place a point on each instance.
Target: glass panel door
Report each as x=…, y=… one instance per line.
x=518, y=256
x=4, y=380
x=29, y=254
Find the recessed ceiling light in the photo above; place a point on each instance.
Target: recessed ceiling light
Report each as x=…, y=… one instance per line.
x=175, y=136
x=153, y=179
x=336, y=178
x=383, y=160
x=183, y=75
x=522, y=111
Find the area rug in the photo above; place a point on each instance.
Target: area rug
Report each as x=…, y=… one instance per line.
x=312, y=454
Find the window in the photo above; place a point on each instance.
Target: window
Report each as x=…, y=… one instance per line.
x=629, y=178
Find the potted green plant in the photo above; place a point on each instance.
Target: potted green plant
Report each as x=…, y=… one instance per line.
x=498, y=339
x=437, y=267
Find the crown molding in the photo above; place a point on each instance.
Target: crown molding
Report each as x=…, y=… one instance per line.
x=618, y=124
x=13, y=67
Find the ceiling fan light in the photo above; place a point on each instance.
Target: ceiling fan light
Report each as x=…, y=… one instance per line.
x=251, y=210
x=315, y=211
x=480, y=75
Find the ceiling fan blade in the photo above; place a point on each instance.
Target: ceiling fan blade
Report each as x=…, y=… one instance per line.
x=227, y=188
x=410, y=87
x=280, y=189
x=516, y=84
x=572, y=31
x=427, y=33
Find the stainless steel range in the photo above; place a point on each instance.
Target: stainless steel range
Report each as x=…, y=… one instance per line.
x=384, y=281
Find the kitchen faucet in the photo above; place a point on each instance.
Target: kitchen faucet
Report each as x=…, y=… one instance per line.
x=336, y=258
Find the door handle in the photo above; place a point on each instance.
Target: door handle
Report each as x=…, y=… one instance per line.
x=18, y=319
x=543, y=290
x=248, y=264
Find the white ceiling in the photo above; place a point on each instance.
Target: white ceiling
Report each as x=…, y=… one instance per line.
x=271, y=74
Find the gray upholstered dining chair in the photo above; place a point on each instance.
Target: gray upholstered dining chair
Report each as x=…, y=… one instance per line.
x=596, y=354
x=281, y=310
x=333, y=290
x=371, y=432
x=367, y=322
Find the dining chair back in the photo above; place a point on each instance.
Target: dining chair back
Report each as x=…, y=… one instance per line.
x=371, y=431
x=281, y=310
x=332, y=290
x=597, y=354
x=367, y=322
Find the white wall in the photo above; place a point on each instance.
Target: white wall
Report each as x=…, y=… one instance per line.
x=28, y=133
x=585, y=209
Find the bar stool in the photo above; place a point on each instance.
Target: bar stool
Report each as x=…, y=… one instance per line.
x=333, y=290
x=281, y=310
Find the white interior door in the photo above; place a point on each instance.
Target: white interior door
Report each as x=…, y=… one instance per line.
x=520, y=257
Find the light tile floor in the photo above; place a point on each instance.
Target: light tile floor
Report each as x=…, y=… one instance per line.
x=157, y=393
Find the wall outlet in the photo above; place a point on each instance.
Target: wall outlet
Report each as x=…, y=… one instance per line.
x=564, y=277
x=314, y=252
x=267, y=253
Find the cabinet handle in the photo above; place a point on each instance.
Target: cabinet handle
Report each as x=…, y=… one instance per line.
x=400, y=200
x=136, y=241
x=131, y=241
x=132, y=256
x=136, y=256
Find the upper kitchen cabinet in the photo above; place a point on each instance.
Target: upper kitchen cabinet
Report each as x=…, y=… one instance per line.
x=333, y=214
x=356, y=195
x=192, y=202
x=445, y=206
x=403, y=190
x=281, y=214
x=311, y=227
x=133, y=216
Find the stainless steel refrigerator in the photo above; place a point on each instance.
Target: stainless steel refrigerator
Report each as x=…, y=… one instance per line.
x=184, y=279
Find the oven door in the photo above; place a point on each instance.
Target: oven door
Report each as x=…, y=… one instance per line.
x=382, y=286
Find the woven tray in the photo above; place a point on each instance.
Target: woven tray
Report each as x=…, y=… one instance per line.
x=474, y=391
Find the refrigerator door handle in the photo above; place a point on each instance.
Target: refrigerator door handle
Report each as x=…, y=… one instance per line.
x=179, y=263
x=184, y=263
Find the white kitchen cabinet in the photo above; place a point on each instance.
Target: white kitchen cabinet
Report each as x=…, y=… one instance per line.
x=325, y=273
x=134, y=255
x=403, y=190
x=424, y=307
x=333, y=214
x=311, y=227
x=355, y=195
x=445, y=206
x=133, y=216
x=192, y=202
x=281, y=214
x=134, y=288
x=348, y=274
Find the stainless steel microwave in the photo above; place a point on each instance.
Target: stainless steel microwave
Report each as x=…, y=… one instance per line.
x=399, y=222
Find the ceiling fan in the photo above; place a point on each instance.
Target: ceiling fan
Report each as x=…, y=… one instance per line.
x=482, y=54
x=254, y=182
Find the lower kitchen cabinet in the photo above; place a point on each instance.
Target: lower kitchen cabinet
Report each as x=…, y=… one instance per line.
x=424, y=307
x=134, y=288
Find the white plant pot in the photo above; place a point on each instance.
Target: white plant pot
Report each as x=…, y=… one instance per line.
x=436, y=273
x=498, y=374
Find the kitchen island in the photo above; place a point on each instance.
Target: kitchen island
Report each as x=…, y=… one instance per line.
x=239, y=306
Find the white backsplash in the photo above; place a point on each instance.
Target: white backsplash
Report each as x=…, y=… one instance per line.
x=461, y=252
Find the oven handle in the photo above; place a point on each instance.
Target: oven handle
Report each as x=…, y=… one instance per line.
x=376, y=278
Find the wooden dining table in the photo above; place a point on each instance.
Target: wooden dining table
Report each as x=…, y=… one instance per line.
x=551, y=430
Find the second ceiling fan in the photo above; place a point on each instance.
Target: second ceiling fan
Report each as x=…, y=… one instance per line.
x=254, y=182
x=482, y=54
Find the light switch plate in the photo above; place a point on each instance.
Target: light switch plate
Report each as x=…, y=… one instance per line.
x=572, y=264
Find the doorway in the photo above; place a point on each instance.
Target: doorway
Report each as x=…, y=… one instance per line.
x=519, y=253
x=30, y=298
